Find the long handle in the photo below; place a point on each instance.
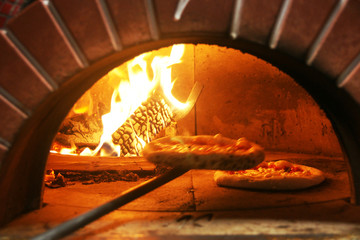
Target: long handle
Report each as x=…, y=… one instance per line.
x=76, y=223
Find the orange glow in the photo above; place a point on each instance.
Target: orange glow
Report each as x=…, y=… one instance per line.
x=135, y=86
x=84, y=104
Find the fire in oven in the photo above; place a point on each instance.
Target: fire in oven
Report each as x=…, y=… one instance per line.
x=198, y=123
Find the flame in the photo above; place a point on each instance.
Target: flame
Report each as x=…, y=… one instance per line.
x=132, y=91
x=69, y=151
x=162, y=67
x=84, y=104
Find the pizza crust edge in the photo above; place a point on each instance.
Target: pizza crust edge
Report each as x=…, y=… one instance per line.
x=242, y=159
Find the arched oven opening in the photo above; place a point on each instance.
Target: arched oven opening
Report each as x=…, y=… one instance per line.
x=23, y=167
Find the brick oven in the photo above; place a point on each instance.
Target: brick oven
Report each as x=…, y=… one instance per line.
x=55, y=50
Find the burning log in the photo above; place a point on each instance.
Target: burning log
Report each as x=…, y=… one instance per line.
x=125, y=131
x=143, y=125
x=80, y=130
x=151, y=117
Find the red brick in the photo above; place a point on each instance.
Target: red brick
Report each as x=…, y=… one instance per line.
x=18, y=1
x=303, y=24
x=3, y=151
x=353, y=85
x=84, y=21
x=18, y=77
x=130, y=21
x=11, y=118
x=15, y=10
x=257, y=19
x=37, y=31
x=198, y=16
x=2, y=21
x=6, y=8
x=342, y=45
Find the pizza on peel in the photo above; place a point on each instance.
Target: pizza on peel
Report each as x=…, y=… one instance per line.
x=204, y=152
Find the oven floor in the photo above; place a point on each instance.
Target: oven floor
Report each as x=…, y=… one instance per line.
x=194, y=207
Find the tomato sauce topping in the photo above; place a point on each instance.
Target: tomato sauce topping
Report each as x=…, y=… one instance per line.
x=271, y=165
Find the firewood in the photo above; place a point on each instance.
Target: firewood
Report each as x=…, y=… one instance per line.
x=143, y=125
x=81, y=130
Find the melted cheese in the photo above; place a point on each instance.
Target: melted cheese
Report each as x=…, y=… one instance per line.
x=267, y=170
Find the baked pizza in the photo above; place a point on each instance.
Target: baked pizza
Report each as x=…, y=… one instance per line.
x=278, y=175
x=204, y=152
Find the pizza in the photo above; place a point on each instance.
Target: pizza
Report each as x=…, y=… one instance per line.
x=278, y=175
x=204, y=152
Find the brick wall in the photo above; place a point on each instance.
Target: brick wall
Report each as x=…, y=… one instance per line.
x=9, y=8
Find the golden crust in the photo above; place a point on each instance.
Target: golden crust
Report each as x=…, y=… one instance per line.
x=306, y=177
x=204, y=152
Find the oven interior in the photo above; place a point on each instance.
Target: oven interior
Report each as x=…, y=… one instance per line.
x=242, y=95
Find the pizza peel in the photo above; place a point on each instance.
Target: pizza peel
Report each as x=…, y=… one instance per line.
x=131, y=194
x=127, y=196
